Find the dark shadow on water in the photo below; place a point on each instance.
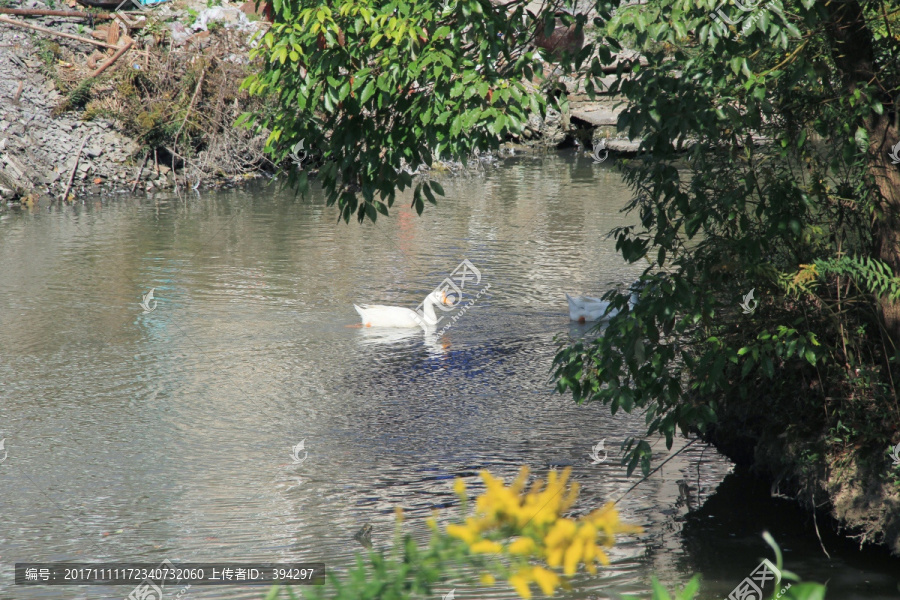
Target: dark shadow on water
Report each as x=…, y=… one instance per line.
x=723, y=541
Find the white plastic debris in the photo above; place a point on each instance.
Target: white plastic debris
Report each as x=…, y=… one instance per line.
x=179, y=33
x=237, y=59
x=230, y=17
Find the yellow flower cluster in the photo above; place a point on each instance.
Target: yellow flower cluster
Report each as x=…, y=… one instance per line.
x=539, y=529
x=547, y=580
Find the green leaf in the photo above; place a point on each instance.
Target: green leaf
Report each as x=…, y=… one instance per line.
x=367, y=92
x=275, y=590
x=810, y=356
x=748, y=366
x=861, y=137
x=805, y=591
x=659, y=592
x=428, y=194
x=691, y=589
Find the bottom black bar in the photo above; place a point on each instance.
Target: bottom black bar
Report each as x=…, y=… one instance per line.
x=167, y=573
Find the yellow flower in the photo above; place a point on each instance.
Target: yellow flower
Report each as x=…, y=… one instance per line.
x=399, y=512
x=499, y=501
x=534, y=519
x=432, y=523
x=560, y=533
x=544, y=505
x=572, y=557
x=488, y=579
x=462, y=532
x=520, y=581
x=590, y=553
x=459, y=486
x=607, y=518
x=522, y=545
x=546, y=579
x=519, y=484
x=587, y=531
x=485, y=547
x=555, y=557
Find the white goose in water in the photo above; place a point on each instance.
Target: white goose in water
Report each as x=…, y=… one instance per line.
x=587, y=308
x=377, y=315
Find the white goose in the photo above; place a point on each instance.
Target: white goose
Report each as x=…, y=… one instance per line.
x=377, y=315
x=587, y=308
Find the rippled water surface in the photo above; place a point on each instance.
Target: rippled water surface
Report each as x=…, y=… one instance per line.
x=144, y=436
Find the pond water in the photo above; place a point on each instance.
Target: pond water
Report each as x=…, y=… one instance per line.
x=142, y=436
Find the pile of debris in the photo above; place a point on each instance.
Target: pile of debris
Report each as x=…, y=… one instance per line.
x=141, y=99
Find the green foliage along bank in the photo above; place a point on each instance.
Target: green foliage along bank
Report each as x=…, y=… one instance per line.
x=768, y=318
x=371, y=86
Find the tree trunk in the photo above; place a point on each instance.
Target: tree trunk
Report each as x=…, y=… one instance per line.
x=852, y=51
x=887, y=225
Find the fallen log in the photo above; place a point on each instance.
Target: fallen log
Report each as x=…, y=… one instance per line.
x=125, y=47
x=10, y=183
x=70, y=36
x=40, y=12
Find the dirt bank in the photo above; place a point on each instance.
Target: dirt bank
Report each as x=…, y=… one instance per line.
x=37, y=149
x=854, y=490
x=94, y=112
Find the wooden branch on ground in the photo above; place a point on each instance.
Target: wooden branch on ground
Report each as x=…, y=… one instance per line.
x=37, y=12
x=114, y=58
x=15, y=23
x=141, y=172
x=74, y=167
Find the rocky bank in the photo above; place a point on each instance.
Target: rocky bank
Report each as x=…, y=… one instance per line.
x=45, y=141
x=38, y=149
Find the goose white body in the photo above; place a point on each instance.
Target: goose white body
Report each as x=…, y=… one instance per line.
x=378, y=315
x=587, y=308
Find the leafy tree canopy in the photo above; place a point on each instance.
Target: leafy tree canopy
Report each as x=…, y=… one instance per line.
x=373, y=86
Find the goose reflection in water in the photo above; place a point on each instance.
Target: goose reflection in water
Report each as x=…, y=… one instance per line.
x=436, y=345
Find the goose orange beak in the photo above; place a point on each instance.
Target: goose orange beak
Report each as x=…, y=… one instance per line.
x=444, y=299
